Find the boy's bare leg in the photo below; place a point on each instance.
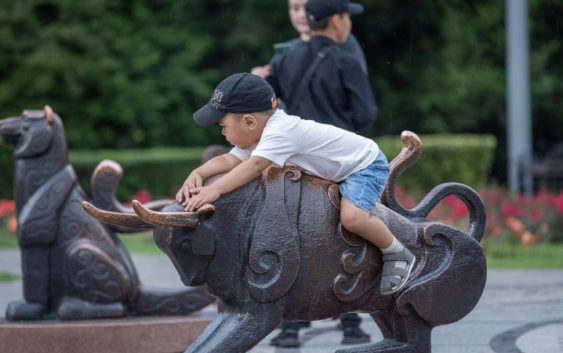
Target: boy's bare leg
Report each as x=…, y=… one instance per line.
x=398, y=261
x=369, y=227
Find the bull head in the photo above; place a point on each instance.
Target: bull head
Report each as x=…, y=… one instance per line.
x=200, y=244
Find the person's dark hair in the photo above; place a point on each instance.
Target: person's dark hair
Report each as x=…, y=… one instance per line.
x=212, y=151
x=318, y=25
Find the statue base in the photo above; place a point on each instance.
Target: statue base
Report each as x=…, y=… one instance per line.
x=169, y=334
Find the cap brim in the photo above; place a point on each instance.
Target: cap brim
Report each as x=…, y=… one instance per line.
x=354, y=8
x=207, y=116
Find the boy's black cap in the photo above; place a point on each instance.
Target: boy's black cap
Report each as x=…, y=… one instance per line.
x=238, y=93
x=321, y=9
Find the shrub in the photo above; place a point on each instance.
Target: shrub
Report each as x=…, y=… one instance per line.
x=160, y=171
x=6, y=172
x=445, y=158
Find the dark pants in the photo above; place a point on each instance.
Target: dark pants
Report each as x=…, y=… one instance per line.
x=349, y=320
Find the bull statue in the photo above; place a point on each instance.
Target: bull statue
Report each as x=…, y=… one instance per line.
x=73, y=266
x=273, y=250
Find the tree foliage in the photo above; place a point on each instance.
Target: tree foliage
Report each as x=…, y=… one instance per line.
x=130, y=73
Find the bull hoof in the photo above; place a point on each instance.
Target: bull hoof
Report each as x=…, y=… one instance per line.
x=23, y=310
x=385, y=346
x=77, y=309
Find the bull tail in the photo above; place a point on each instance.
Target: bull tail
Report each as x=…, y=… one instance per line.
x=471, y=199
x=412, y=149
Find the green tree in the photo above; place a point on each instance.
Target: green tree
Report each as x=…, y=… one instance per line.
x=131, y=73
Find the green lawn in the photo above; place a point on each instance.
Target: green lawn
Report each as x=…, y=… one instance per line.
x=499, y=255
x=140, y=243
x=137, y=242
x=7, y=239
x=7, y=277
x=510, y=255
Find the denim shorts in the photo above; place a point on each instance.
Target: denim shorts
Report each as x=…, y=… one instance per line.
x=364, y=187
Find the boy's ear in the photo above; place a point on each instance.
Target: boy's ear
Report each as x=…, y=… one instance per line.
x=249, y=120
x=335, y=20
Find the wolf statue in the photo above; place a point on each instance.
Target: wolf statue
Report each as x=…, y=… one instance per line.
x=74, y=266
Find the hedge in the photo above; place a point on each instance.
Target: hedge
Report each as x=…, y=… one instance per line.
x=160, y=171
x=460, y=158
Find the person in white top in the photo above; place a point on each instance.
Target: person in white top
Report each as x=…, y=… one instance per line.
x=244, y=105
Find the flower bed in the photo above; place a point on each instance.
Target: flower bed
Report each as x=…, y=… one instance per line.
x=511, y=220
x=525, y=232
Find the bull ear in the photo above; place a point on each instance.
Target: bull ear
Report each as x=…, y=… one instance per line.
x=206, y=211
x=49, y=115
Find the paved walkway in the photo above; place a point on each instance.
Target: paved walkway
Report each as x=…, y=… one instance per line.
x=520, y=311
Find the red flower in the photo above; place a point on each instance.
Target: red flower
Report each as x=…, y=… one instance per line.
x=515, y=225
x=559, y=202
x=458, y=208
x=12, y=224
x=536, y=215
x=142, y=196
x=529, y=238
x=511, y=210
x=7, y=206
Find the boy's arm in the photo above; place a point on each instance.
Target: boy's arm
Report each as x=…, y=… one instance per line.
x=238, y=176
x=217, y=165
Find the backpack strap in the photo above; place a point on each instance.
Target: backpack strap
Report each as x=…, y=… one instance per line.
x=299, y=92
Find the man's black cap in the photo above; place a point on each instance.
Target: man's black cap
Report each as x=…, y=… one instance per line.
x=238, y=93
x=321, y=9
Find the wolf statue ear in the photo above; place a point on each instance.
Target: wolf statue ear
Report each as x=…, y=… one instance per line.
x=49, y=115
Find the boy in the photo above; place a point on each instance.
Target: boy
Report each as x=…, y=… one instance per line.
x=318, y=80
x=298, y=19
x=244, y=105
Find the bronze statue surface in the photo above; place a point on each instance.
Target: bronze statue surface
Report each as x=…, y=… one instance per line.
x=273, y=250
x=74, y=267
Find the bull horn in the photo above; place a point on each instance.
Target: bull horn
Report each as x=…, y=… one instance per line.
x=49, y=114
x=172, y=219
x=115, y=218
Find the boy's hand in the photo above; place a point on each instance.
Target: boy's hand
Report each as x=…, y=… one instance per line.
x=193, y=182
x=200, y=197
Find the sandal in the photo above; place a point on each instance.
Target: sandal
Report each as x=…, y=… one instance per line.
x=395, y=276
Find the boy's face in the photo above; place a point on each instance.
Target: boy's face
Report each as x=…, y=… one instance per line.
x=297, y=16
x=239, y=130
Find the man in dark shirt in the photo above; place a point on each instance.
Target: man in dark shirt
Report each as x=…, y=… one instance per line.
x=336, y=91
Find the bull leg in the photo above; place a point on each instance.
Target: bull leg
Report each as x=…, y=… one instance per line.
x=237, y=332
x=402, y=334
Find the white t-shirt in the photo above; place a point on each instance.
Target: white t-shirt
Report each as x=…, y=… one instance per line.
x=322, y=150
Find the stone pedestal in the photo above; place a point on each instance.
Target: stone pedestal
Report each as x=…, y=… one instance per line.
x=139, y=335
